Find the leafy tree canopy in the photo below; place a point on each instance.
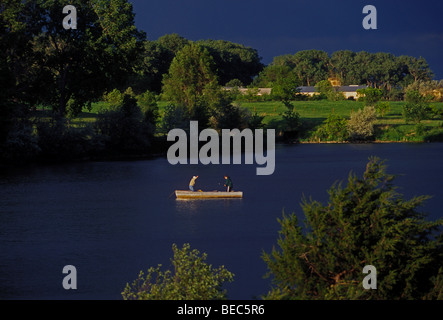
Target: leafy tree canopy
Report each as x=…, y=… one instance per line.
x=233, y=61
x=380, y=70
x=69, y=68
x=417, y=106
x=191, y=279
x=190, y=75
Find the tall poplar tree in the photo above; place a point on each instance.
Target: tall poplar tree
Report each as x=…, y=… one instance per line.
x=191, y=75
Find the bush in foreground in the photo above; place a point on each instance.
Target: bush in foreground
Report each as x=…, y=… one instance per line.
x=364, y=223
x=191, y=279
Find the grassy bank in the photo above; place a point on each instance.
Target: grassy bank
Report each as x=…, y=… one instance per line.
x=391, y=127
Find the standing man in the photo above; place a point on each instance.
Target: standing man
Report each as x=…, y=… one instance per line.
x=192, y=183
x=228, y=184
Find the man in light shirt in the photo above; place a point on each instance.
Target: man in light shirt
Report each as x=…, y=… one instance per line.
x=192, y=183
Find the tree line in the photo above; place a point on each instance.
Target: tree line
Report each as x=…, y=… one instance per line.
x=42, y=64
x=378, y=70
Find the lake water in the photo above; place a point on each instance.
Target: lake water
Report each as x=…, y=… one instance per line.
x=112, y=219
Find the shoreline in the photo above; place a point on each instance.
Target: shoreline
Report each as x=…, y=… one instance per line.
x=364, y=142
x=156, y=155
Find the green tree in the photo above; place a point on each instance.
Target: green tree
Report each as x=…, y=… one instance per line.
x=370, y=95
x=149, y=107
x=113, y=98
x=291, y=118
x=279, y=76
x=334, y=128
x=223, y=113
x=382, y=108
x=154, y=62
x=342, y=64
x=419, y=68
x=123, y=127
x=172, y=43
x=190, y=76
x=78, y=65
x=285, y=89
x=366, y=222
x=272, y=75
x=18, y=75
x=191, y=279
x=325, y=88
x=417, y=107
x=311, y=66
x=150, y=67
x=231, y=116
x=174, y=117
x=233, y=61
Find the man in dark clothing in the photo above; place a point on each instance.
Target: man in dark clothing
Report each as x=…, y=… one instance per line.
x=228, y=184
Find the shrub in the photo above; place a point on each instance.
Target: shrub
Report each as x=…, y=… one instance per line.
x=21, y=144
x=58, y=141
x=327, y=90
x=124, y=128
x=115, y=97
x=334, y=128
x=392, y=134
x=291, y=118
x=437, y=111
x=361, y=124
x=175, y=117
x=370, y=95
x=191, y=279
x=148, y=105
x=255, y=121
x=234, y=83
x=230, y=116
x=417, y=107
x=382, y=108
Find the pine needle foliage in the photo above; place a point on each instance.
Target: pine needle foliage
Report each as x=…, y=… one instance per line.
x=365, y=222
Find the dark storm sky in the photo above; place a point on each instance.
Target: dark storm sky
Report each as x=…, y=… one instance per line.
x=286, y=26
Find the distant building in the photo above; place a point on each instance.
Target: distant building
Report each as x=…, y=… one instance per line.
x=348, y=91
x=351, y=90
x=256, y=91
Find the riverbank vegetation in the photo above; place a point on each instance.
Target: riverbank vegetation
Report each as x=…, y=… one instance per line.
x=105, y=91
x=129, y=125
x=92, y=93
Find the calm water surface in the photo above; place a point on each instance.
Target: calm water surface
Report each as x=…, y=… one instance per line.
x=112, y=219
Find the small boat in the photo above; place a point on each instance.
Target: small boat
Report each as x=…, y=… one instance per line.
x=184, y=194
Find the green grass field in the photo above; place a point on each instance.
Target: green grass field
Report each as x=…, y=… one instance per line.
x=390, y=127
